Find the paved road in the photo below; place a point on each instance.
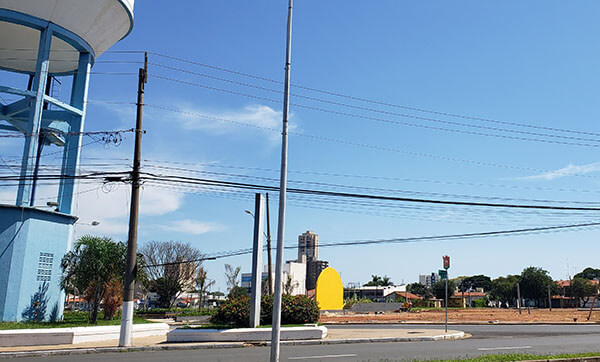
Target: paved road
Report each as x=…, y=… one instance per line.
x=486, y=339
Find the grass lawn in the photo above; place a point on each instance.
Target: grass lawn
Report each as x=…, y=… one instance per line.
x=71, y=319
x=519, y=357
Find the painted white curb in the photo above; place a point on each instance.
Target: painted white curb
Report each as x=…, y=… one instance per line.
x=74, y=335
x=244, y=334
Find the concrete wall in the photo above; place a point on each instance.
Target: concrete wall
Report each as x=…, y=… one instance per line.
x=32, y=244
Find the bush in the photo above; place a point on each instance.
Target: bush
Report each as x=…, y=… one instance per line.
x=297, y=309
x=480, y=303
x=234, y=312
x=178, y=311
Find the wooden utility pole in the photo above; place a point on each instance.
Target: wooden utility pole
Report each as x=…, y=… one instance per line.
x=549, y=299
x=131, y=267
x=269, y=263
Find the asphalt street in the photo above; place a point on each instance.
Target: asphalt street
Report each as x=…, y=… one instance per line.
x=486, y=339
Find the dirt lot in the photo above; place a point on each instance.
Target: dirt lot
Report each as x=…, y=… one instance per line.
x=471, y=315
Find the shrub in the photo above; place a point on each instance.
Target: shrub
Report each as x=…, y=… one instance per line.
x=297, y=309
x=480, y=303
x=234, y=312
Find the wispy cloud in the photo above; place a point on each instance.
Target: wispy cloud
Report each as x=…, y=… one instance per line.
x=111, y=209
x=566, y=171
x=188, y=226
x=258, y=116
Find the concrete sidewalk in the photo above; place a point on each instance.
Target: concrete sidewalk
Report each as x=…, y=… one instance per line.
x=159, y=343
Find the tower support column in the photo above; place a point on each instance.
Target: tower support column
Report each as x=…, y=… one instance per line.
x=35, y=118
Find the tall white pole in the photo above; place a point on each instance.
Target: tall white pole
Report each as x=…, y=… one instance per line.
x=275, y=334
x=257, y=247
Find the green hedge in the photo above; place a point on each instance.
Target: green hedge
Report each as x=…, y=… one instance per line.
x=178, y=311
x=297, y=309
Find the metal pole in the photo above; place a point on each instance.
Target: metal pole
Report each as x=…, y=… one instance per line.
x=519, y=298
x=269, y=263
x=257, y=246
x=549, y=299
x=131, y=267
x=275, y=333
x=446, y=324
x=36, y=170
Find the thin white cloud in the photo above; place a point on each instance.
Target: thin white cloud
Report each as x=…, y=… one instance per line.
x=194, y=227
x=259, y=116
x=111, y=209
x=566, y=171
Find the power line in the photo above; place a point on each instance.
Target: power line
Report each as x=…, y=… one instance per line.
x=371, y=118
x=450, y=237
x=358, y=144
x=327, y=184
x=362, y=99
x=376, y=110
x=230, y=184
x=372, y=177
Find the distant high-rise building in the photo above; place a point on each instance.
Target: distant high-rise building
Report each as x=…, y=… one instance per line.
x=429, y=280
x=313, y=270
x=308, y=247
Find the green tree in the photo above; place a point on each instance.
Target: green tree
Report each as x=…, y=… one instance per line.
x=377, y=281
x=582, y=289
x=420, y=290
x=439, y=289
x=504, y=289
x=92, y=265
x=474, y=282
x=534, y=284
x=588, y=273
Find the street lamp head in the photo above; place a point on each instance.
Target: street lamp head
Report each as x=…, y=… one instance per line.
x=95, y=223
x=249, y=212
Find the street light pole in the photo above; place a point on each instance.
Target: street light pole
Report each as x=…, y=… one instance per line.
x=275, y=332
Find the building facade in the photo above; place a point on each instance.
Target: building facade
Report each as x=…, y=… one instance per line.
x=308, y=247
x=313, y=270
x=429, y=280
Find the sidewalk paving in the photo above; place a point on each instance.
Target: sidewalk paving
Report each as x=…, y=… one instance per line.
x=159, y=342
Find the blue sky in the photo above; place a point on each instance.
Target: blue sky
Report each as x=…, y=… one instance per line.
x=529, y=62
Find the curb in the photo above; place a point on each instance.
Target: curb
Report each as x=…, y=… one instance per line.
x=491, y=323
x=80, y=351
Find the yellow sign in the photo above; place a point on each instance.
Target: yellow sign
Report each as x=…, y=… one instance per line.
x=330, y=291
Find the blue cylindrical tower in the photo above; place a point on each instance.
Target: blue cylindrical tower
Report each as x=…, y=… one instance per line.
x=47, y=38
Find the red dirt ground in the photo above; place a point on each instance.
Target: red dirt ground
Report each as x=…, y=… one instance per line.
x=470, y=315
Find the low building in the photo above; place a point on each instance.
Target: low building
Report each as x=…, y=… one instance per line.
x=374, y=293
x=294, y=275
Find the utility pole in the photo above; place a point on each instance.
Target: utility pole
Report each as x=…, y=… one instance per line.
x=269, y=263
x=549, y=299
x=131, y=267
x=519, y=298
x=276, y=332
